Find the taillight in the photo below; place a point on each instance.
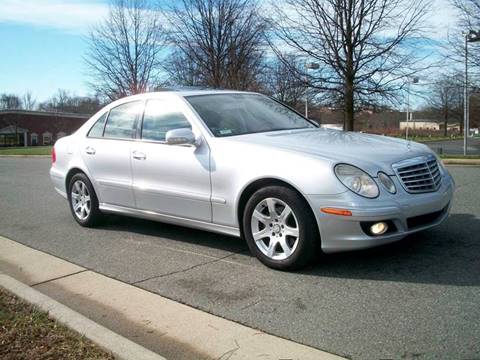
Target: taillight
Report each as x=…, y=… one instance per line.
x=54, y=155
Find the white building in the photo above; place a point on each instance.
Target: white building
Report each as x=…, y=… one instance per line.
x=419, y=124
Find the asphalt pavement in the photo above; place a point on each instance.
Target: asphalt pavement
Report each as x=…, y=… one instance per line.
x=416, y=298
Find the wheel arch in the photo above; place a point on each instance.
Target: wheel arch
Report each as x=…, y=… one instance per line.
x=258, y=184
x=72, y=172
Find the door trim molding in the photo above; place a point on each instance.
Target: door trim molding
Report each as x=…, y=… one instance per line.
x=115, y=183
x=173, y=193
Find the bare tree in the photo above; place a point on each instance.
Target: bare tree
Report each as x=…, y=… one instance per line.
x=363, y=46
x=221, y=38
x=123, y=55
x=28, y=101
x=469, y=11
x=446, y=96
x=64, y=101
x=284, y=79
x=468, y=19
x=10, y=102
x=181, y=70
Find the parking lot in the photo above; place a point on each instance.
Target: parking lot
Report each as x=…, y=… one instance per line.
x=417, y=298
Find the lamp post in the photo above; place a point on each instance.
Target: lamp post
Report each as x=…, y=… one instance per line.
x=308, y=65
x=470, y=37
x=413, y=80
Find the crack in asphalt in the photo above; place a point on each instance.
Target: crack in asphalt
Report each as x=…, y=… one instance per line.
x=188, y=268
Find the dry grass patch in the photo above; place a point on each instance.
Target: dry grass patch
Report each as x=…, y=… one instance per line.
x=27, y=333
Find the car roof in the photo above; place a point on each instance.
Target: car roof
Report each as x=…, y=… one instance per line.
x=192, y=91
x=181, y=92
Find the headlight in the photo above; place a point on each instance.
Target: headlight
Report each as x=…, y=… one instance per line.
x=356, y=180
x=441, y=166
x=387, y=182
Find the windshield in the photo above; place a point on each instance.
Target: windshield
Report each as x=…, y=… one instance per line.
x=237, y=114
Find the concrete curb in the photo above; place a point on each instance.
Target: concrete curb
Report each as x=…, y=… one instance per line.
x=24, y=156
x=461, y=161
x=153, y=322
x=119, y=346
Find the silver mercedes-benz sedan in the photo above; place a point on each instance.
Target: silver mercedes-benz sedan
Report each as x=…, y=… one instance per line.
x=242, y=164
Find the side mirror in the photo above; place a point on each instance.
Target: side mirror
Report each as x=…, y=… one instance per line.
x=182, y=136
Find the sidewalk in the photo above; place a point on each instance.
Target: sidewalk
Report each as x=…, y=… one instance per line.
x=166, y=327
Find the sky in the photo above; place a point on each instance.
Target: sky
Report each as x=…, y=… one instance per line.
x=43, y=43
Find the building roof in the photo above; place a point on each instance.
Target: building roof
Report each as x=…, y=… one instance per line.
x=40, y=122
x=45, y=113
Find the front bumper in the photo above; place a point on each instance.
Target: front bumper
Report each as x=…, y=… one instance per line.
x=342, y=233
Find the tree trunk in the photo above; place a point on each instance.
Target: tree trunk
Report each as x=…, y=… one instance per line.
x=445, y=124
x=348, y=106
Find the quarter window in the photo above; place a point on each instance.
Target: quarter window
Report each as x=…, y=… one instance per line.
x=121, y=121
x=97, y=129
x=160, y=117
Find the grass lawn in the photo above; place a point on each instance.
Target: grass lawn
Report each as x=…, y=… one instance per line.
x=26, y=333
x=29, y=150
x=438, y=138
x=433, y=138
x=459, y=156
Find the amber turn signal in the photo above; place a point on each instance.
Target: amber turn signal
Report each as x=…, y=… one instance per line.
x=335, y=211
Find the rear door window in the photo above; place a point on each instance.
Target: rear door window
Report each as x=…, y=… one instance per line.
x=122, y=120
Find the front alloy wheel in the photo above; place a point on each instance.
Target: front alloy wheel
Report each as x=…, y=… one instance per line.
x=279, y=228
x=275, y=229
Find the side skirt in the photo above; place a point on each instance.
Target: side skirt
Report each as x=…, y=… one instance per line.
x=170, y=219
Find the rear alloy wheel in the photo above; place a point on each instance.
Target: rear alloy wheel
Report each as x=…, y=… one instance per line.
x=83, y=201
x=279, y=228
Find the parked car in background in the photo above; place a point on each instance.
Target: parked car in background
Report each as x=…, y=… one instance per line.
x=242, y=164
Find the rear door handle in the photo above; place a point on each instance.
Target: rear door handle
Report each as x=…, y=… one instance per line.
x=89, y=150
x=139, y=155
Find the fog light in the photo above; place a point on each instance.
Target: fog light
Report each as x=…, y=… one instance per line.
x=379, y=228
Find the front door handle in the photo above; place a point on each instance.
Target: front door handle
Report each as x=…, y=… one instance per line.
x=89, y=150
x=139, y=155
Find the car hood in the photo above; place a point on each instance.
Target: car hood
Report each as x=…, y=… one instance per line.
x=372, y=153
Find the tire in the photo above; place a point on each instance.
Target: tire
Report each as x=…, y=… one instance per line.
x=280, y=242
x=83, y=201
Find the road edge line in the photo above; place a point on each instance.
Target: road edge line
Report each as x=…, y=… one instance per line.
x=119, y=346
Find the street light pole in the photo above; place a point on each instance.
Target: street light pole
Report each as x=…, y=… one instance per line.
x=313, y=66
x=471, y=36
x=465, y=100
x=306, y=91
x=410, y=81
x=408, y=110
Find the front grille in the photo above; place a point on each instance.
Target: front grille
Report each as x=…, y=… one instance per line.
x=419, y=175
